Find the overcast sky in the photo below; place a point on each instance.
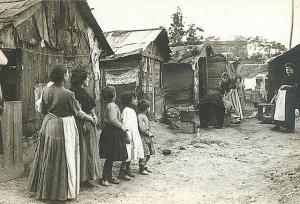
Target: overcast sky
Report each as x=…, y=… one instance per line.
x=222, y=18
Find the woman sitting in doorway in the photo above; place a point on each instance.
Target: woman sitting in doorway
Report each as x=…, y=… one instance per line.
x=230, y=94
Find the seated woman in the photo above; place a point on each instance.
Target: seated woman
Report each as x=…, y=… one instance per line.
x=229, y=92
x=286, y=101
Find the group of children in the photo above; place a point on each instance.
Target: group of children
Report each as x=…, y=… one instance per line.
x=126, y=136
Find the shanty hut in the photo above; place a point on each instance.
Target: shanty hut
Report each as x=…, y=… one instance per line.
x=35, y=35
x=179, y=77
x=136, y=64
x=237, y=48
x=199, y=69
x=276, y=71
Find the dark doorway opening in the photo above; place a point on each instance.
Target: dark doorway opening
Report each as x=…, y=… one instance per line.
x=9, y=84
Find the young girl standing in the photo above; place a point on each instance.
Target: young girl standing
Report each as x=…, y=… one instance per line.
x=135, y=147
x=146, y=135
x=112, y=144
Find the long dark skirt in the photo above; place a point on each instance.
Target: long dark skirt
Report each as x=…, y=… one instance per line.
x=49, y=171
x=112, y=144
x=48, y=176
x=90, y=167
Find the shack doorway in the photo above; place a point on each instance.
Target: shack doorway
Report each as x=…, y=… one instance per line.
x=9, y=85
x=9, y=77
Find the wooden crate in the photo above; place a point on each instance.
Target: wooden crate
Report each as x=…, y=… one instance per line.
x=184, y=127
x=12, y=160
x=265, y=112
x=187, y=116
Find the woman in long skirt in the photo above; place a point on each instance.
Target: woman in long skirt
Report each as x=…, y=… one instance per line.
x=54, y=173
x=90, y=168
x=286, y=101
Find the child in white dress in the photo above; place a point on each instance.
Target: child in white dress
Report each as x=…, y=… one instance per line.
x=135, y=147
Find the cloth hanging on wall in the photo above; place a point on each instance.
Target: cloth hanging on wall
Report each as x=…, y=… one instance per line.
x=125, y=78
x=95, y=55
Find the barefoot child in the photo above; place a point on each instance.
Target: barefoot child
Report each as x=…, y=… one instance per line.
x=146, y=135
x=135, y=147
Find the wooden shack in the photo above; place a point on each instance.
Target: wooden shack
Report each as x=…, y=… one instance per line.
x=137, y=63
x=236, y=48
x=177, y=80
x=206, y=67
x=35, y=35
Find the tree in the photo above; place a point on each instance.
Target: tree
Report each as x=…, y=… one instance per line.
x=264, y=48
x=178, y=35
x=211, y=38
x=176, y=29
x=193, y=34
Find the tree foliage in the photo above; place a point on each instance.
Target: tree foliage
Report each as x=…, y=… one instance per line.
x=176, y=29
x=178, y=35
x=264, y=49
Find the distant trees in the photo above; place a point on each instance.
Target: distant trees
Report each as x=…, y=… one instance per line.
x=263, y=49
x=244, y=48
x=178, y=35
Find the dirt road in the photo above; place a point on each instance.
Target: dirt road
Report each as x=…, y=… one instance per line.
x=245, y=163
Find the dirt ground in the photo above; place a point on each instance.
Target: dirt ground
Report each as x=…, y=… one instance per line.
x=244, y=163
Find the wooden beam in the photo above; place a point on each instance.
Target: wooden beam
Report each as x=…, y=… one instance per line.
x=145, y=54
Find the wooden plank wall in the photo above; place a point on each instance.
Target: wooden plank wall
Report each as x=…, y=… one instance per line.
x=152, y=58
x=12, y=132
x=68, y=37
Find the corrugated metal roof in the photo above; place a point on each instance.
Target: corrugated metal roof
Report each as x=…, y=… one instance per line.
x=10, y=10
x=189, y=53
x=126, y=43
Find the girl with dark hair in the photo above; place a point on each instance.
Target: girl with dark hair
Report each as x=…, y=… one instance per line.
x=146, y=135
x=112, y=144
x=54, y=172
x=286, y=101
x=89, y=155
x=135, y=147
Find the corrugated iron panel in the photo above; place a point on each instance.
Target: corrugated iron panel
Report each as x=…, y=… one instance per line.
x=188, y=53
x=11, y=8
x=125, y=43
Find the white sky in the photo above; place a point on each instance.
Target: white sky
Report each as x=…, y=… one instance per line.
x=270, y=19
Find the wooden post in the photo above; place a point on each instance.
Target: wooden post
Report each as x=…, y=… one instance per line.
x=12, y=141
x=292, y=25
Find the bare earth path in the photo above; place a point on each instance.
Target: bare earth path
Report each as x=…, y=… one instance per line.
x=242, y=164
